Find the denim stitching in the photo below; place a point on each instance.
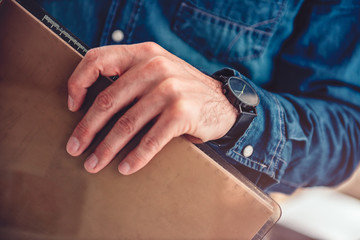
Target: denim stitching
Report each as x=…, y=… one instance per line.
x=270, y=167
x=280, y=120
x=273, y=165
x=211, y=13
x=290, y=184
x=132, y=20
x=263, y=41
x=220, y=19
x=281, y=142
x=241, y=28
x=250, y=160
x=282, y=128
x=109, y=22
x=282, y=160
x=236, y=38
x=232, y=43
x=264, y=22
x=185, y=6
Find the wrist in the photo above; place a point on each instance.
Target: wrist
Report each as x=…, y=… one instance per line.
x=243, y=98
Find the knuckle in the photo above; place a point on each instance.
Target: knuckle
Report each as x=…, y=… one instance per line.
x=104, y=101
x=92, y=55
x=82, y=129
x=138, y=159
x=170, y=90
x=172, y=87
x=151, y=144
x=151, y=47
x=106, y=149
x=72, y=83
x=181, y=109
x=94, y=58
x=159, y=64
x=125, y=125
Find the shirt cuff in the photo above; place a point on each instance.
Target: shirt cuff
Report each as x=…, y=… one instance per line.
x=257, y=153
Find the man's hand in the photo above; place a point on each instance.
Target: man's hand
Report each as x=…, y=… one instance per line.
x=177, y=97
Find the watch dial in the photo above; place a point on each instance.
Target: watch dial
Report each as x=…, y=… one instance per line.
x=243, y=91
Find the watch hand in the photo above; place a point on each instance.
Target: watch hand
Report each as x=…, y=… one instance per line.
x=242, y=91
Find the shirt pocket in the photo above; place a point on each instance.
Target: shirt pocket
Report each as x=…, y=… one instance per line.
x=228, y=31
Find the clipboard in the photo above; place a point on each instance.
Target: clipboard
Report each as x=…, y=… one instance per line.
x=46, y=194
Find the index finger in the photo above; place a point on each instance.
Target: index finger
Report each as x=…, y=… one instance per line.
x=106, y=61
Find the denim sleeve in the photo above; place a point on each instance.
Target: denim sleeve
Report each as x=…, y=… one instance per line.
x=307, y=131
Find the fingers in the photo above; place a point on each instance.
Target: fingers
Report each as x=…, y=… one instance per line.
x=106, y=104
x=104, y=61
x=123, y=131
x=118, y=95
x=156, y=103
x=165, y=88
x=158, y=136
x=107, y=61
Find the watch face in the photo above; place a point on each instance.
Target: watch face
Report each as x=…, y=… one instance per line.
x=243, y=91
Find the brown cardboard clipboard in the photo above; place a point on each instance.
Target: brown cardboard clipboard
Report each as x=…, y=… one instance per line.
x=46, y=194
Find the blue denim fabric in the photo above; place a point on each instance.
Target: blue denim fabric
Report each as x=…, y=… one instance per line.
x=302, y=57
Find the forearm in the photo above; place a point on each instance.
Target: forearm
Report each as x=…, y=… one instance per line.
x=300, y=141
x=325, y=149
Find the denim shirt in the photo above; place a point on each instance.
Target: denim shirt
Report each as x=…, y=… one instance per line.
x=301, y=56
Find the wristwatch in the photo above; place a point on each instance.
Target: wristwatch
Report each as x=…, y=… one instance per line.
x=244, y=98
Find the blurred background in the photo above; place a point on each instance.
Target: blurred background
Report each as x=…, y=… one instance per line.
x=320, y=213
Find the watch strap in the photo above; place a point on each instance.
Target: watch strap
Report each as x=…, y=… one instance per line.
x=224, y=74
x=246, y=115
x=237, y=130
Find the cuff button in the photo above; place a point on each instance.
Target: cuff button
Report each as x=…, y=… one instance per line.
x=117, y=36
x=248, y=151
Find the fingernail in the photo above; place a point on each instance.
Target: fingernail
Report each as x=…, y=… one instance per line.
x=73, y=145
x=70, y=103
x=91, y=162
x=124, y=168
